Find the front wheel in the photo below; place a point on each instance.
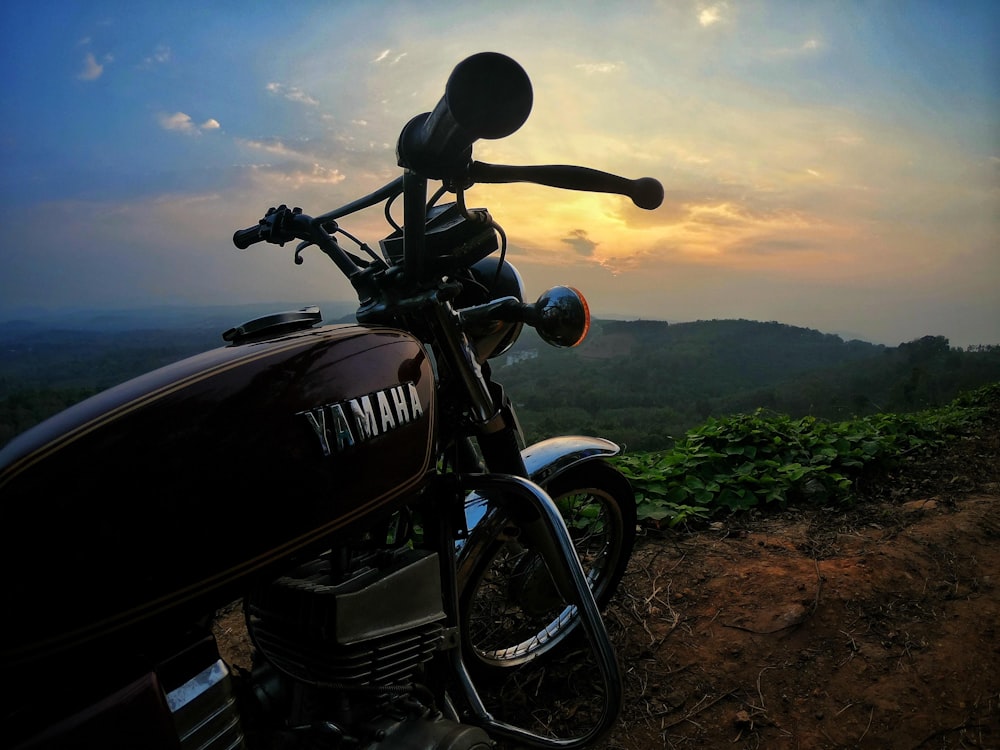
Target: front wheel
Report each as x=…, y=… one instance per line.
x=511, y=611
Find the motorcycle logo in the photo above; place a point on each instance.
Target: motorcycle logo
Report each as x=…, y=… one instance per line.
x=347, y=424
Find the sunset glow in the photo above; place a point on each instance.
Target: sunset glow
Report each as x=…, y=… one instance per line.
x=830, y=165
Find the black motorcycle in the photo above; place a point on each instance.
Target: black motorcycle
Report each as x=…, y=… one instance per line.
x=363, y=490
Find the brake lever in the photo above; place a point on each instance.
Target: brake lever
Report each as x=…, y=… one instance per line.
x=645, y=192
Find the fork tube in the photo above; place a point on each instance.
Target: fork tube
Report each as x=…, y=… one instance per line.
x=414, y=219
x=455, y=347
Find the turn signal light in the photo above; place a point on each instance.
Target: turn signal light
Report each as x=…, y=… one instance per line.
x=561, y=316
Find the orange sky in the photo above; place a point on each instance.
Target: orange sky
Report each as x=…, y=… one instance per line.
x=826, y=164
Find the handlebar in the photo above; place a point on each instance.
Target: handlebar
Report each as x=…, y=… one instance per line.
x=488, y=95
x=274, y=227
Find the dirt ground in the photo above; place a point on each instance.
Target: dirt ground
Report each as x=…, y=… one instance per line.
x=872, y=627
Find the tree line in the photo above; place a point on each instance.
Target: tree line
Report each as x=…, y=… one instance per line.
x=640, y=383
x=644, y=385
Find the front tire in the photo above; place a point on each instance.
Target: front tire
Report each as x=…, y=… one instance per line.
x=511, y=611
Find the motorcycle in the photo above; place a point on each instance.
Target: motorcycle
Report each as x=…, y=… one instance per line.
x=363, y=489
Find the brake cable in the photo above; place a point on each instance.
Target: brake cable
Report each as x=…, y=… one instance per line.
x=484, y=218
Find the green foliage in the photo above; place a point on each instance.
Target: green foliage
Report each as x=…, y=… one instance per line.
x=43, y=372
x=54, y=359
x=762, y=460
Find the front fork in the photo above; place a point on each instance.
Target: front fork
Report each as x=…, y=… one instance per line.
x=509, y=493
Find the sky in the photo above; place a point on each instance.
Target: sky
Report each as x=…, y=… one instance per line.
x=833, y=165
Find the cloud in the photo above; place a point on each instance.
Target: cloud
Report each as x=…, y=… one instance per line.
x=711, y=14
x=847, y=139
x=293, y=166
x=160, y=56
x=286, y=176
x=316, y=175
x=808, y=47
x=271, y=146
x=292, y=94
x=92, y=69
x=182, y=123
x=720, y=215
x=774, y=245
x=581, y=242
x=177, y=121
x=384, y=55
x=601, y=67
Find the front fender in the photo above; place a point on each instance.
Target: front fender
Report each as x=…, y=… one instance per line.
x=549, y=458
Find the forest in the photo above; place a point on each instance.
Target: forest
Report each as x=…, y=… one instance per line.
x=641, y=383
x=645, y=383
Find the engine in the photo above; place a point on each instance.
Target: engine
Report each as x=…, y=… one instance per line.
x=344, y=646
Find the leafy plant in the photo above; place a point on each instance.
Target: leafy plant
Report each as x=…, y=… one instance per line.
x=771, y=460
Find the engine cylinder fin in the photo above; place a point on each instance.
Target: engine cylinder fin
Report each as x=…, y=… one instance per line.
x=325, y=627
x=389, y=660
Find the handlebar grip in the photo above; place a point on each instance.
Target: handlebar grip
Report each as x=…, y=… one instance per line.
x=244, y=238
x=645, y=192
x=488, y=95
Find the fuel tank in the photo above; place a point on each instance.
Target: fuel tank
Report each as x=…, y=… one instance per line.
x=162, y=494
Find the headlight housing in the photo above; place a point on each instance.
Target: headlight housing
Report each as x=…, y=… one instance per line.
x=491, y=338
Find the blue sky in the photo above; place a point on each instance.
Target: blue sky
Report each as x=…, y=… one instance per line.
x=834, y=165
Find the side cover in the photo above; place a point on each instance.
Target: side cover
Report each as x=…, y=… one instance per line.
x=163, y=494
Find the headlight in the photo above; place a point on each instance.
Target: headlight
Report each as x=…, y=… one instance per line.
x=492, y=338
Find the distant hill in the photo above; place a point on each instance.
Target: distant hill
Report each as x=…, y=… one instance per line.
x=95, y=349
x=162, y=317
x=636, y=382
x=643, y=382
